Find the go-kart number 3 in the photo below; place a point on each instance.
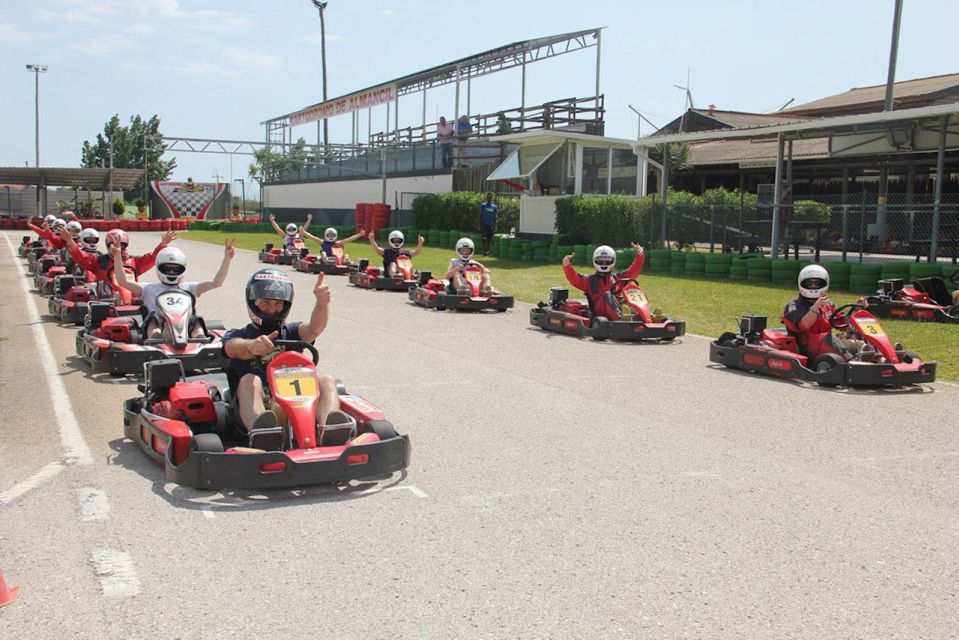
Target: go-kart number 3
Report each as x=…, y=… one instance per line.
x=299, y=384
x=871, y=328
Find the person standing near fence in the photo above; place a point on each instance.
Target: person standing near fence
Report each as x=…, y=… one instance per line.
x=464, y=129
x=488, y=213
x=444, y=133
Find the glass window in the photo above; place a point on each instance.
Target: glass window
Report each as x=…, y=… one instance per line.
x=625, y=166
x=595, y=171
x=524, y=161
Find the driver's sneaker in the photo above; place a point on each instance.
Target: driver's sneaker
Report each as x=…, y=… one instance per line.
x=265, y=434
x=486, y=292
x=868, y=353
x=462, y=291
x=340, y=428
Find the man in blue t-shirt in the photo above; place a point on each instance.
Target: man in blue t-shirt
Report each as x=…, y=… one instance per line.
x=488, y=212
x=269, y=296
x=395, y=250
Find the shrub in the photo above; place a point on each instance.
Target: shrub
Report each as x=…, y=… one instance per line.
x=460, y=210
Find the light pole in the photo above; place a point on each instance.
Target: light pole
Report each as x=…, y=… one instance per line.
x=243, y=197
x=152, y=137
x=37, y=69
x=321, y=7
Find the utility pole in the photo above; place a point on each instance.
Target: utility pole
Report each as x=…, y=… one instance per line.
x=321, y=7
x=110, y=175
x=37, y=69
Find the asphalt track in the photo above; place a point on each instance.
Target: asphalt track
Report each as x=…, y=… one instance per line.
x=559, y=488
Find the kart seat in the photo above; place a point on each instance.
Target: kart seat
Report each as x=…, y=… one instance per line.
x=193, y=401
x=122, y=329
x=780, y=340
x=577, y=307
x=936, y=288
x=435, y=285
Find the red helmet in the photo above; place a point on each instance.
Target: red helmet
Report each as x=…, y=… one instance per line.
x=119, y=236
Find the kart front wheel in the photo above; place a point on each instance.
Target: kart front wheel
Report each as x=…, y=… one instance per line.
x=206, y=443
x=383, y=429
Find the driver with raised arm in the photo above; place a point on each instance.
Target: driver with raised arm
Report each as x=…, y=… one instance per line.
x=807, y=317
x=598, y=287
x=269, y=296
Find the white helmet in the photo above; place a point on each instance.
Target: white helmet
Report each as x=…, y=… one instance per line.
x=171, y=263
x=89, y=239
x=604, y=258
x=396, y=238
x=57, y=225
x=465, y=243
x=291, y=229
x=810, y=289
x=49, y=219
x=74, y=228
x=330, y=234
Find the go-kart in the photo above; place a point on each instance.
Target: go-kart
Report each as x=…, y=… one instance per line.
x=279, y=255
x=37, y=255
x=927, y=299
x=70, y=299
x=188, y=425
x=44, y=264
x=27, y=243
x=336, y=264
x=45, y=279
x=367, y=277
x=117, y=344
x=433, y=293
x=573, y=317
x=774, y=352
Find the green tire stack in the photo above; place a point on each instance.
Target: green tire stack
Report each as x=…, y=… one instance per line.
x=863, y=278
x=839, y=275
x=924, y=270
x=695, y=264
x=677, y=262
x=580, y=251
x=563, y=250
x=433, y=237
x=759, y=269
x=657, y=260
x=894, y=270
x=947, y=272
x=718, y=265
x=785, y=271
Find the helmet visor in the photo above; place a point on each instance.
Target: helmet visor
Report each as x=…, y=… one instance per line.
x=813, y=283
x=171, y=269
x=604, y=261
x=396, y=242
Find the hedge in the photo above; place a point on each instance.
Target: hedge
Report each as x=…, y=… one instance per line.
x=460, y=210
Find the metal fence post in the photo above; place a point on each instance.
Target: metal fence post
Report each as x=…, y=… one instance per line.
x=742, y=201
x=845, y=230
x=862, y=226
x=712, y=227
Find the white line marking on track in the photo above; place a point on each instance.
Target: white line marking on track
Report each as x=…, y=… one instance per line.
x=75, y=448
x=117, y=573
x=419, y=493
x=32, y=482
x=94, y=506
x=208, y=512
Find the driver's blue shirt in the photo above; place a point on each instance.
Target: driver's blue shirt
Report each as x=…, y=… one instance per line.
x=327, y=247
x=237, y=368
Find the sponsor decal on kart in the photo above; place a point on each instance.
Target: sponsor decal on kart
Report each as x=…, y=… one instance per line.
x=295, y=384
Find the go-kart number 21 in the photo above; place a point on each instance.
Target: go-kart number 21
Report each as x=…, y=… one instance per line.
x=296, y=386
x=871, y=328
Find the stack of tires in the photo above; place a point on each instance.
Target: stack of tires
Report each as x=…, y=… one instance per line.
x=433, y=237
x=759, y=269
x=677, y=262
x=540, y=250
x=738, y=269
x=581, y=257
x=516, y=249
x=564, y=250
x=863, y=278
x=924, y=270
x=785, y=271
x=624, y=258
x=718, y=265
x=895, y=270
x=657, y=261
x=695, y=264
x=839, y=275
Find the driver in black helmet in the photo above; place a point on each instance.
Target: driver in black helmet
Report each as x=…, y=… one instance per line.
x=269, y=296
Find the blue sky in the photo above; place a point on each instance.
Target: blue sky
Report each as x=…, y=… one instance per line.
x=216, y=68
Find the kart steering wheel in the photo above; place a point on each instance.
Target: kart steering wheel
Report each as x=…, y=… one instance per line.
x=297, y=345
x=837, y=318
x=619, y=285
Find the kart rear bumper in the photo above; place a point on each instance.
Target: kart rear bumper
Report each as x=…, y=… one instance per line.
x=898, y=310
x=67, y=310
x=570, y=324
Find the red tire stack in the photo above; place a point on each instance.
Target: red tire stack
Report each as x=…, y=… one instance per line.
x=379, y=217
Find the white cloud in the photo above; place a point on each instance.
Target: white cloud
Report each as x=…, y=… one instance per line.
x=105, y=45
x=205, y=68
x=213, y=20
x=314, y=38
x=140, y=28
x=386, y=13
x=13, y=34
x=253, y=60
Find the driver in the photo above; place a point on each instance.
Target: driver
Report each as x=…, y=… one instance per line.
x=598, y=287
x=170, y=265
x=269, y=296
x=48, y=230
x=807, y=317
x=329, y=239
x=395, y=250
x=290, y=236
x=456, y=272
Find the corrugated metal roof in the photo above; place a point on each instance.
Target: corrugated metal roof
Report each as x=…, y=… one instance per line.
x=97, y=179
x=860, y=97
x=752, y=151
x=745, y=119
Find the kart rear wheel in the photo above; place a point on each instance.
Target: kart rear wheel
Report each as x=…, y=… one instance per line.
x=206, y=443
x=826, y=362
x=728, y=339
x=600, y=327
x=909, y=356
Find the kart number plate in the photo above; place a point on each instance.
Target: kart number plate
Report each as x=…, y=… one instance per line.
x=871, y=328
x=474, y=276
x=635, y=296
x=295, y=384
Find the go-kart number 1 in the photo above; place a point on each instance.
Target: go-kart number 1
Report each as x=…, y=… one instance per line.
x=293, y=385
x=871, y=328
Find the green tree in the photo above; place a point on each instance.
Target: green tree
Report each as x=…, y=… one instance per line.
x=268, y=165
x=128, y=148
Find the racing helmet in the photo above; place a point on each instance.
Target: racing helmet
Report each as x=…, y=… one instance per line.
x=117, y=236
x=171, y=264
x=57, y=225
x=269, y=284
x=89, y=239
x=330, y=234
x=74, y=228
x=49, y=219
x=604, y=258
x=396, y=239
x=291, y=229
x=813, y=281
x=465, y=248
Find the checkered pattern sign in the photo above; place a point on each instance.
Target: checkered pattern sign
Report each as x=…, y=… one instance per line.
x=188, y=198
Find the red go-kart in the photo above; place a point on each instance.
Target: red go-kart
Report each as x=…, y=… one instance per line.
x=573, y=317
x=776, y=353
x=927, y=299
x=70, y=299
x=188, y=426
x=279, y=255
x=367, y=277
x=434, y=294
x=336, y=264
x=117, y=345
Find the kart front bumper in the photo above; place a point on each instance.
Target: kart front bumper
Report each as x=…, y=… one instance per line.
x=118, y=358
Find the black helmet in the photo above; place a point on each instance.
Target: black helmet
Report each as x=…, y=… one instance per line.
x=269, y=284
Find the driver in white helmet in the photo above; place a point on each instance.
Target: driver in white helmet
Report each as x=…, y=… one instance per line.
x=807, y=317
x=456, y=272
x=49, y=230
x=170, y=266
x=331, y=237
x=598, y=287
x=394, y=250
x=290, y=235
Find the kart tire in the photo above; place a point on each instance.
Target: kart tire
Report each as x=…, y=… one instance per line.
x=602, y=324
x=340, y=388
x=728, y=340
x=909, y=356
x=383, y=429
x=206, y=443
x=824, y=363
